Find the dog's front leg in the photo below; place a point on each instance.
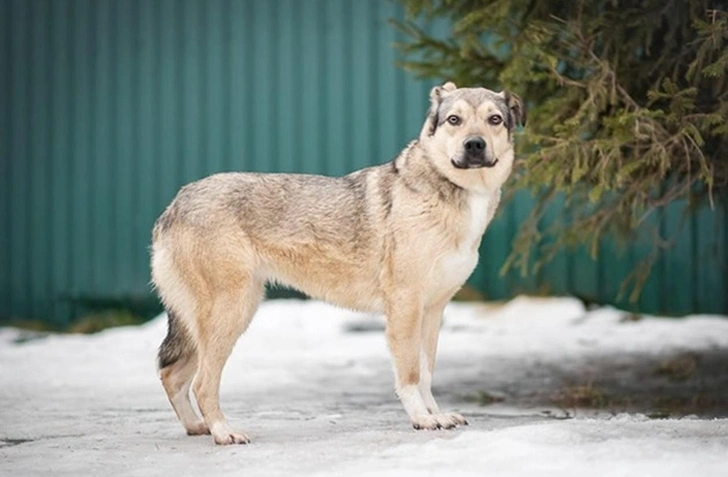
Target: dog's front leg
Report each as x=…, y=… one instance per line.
x=430, y=334
x=404, y=336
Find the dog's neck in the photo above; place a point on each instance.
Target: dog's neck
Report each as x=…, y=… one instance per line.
x=418, y=172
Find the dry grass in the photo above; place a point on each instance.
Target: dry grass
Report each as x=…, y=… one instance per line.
x=485, y=398
x=581, y=396
x=679, y=368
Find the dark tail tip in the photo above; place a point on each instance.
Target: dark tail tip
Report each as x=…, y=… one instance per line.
x=177, y=344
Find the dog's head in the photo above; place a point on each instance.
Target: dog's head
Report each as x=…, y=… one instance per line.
x=468, y=134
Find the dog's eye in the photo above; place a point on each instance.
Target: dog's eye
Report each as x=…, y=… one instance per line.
x=495, y=120
x=453, y=119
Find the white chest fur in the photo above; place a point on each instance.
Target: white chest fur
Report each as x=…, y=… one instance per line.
x=457, y=265
x=480, y=213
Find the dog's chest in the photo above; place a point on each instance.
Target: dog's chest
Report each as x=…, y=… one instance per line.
x=456, y=265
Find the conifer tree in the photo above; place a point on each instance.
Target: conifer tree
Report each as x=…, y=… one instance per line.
x=628, y=107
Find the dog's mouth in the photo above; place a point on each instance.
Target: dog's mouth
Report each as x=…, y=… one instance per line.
x=473, y=163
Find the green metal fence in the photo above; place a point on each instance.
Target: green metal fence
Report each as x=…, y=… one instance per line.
x=108, y=106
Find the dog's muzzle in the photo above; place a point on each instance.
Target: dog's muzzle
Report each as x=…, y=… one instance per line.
x=474, y=155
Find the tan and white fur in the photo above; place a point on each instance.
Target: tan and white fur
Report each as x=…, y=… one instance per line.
x=399, y=238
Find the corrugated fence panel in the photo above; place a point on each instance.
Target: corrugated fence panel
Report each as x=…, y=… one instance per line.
x=711, y=264
x=19, y=159
x=5, y=151
x=107, y=107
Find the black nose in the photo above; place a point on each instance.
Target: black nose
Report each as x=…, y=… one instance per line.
x=474, y=145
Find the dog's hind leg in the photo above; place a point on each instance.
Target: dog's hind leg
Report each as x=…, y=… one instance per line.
x=220, y=325
x=177, y=367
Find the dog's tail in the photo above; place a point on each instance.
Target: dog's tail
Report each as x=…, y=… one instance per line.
x=178, y=343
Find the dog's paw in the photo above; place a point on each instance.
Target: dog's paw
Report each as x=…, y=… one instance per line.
x=231, y=438
x=426, y=422
x=433, y=422
x=198, y=429
x=225, y=436
x=450, y=420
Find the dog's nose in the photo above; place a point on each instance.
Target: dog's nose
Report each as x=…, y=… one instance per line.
x=474, y=145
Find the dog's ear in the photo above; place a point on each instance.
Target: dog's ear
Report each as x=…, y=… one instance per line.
x=449, y=87
x=516, y=108
x=436, y=95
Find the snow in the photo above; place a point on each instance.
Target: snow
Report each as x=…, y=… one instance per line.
x=312, y=386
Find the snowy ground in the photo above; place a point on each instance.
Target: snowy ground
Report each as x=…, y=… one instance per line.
x=312, y=386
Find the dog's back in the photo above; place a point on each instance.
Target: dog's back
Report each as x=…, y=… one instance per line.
x=318, y=234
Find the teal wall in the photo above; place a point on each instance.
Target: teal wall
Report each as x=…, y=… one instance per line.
x=108, y=106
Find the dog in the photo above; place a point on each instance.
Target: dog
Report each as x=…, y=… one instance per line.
x=399, y=238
